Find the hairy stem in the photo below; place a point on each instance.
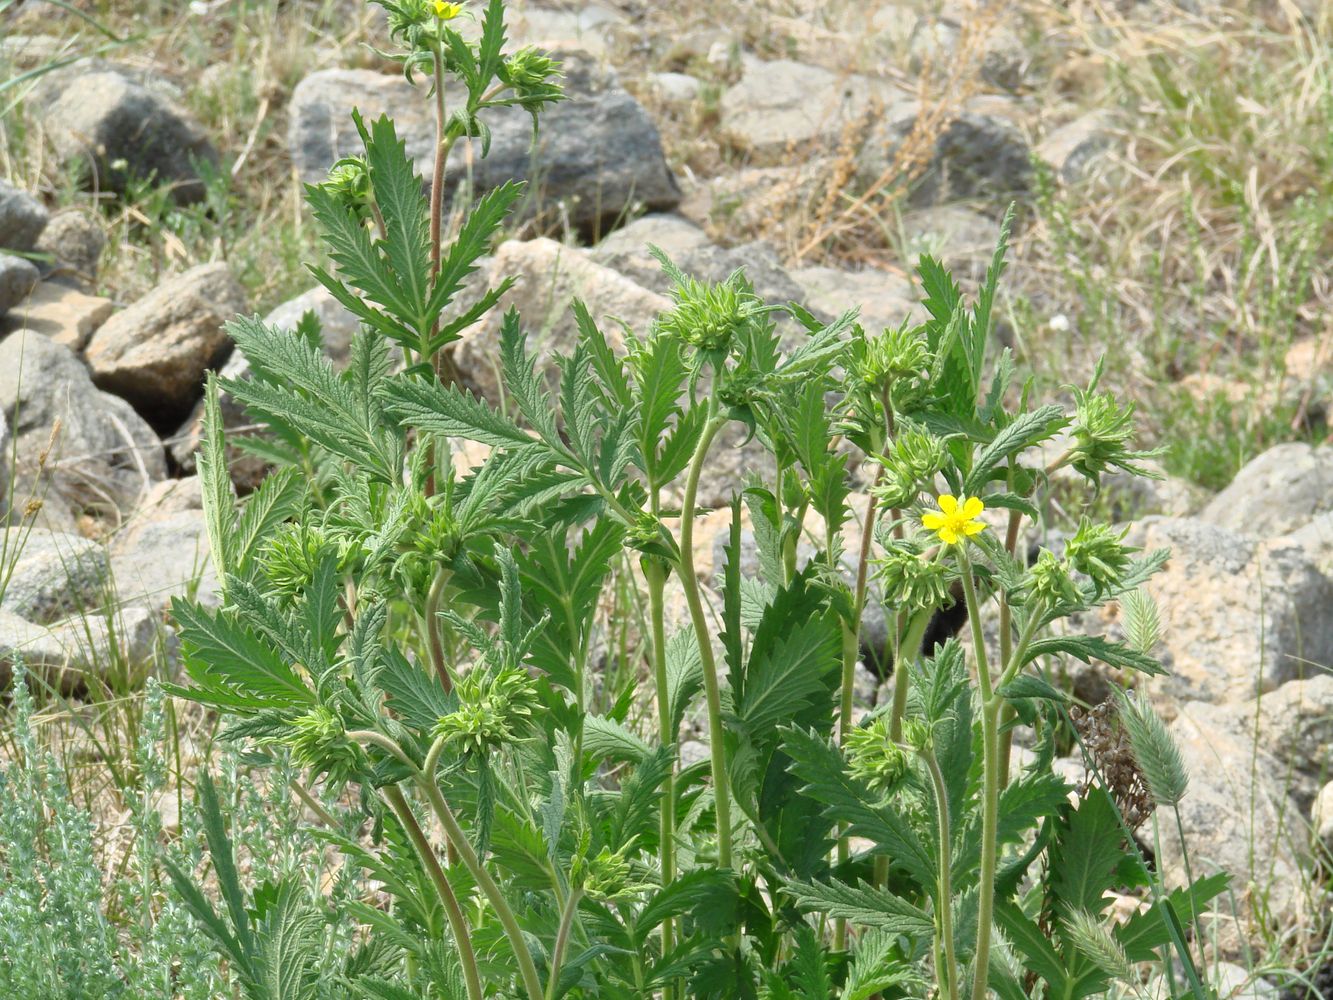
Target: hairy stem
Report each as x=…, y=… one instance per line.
x=990, y=781
x=690, y=583
x=656, y=572
x=908, y=648
x=562, y=942
x=944, y=909
x=433, y=640
x=1007, y=714
x=452, y=911
x=526, y=967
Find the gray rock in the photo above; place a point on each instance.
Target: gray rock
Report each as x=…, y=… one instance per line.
x=598, y=154
x=67, y=656
x=962, y=238
x=104, y=454
x=53, y=575
x=117, y=126
x=1080, y=148
x=1321, y=816
x=22, y=219
x=783, y=107
x=59, y=312
x=752, y=200
x=936, y=41
x=76, y=240
x=155, y=353
x=885, y=299
x=337, y=327
x=1238, y=618
x=17, y=278
x=1277, y=492
x=1315, y=539
x=1237, y=818
x=550, y=276
x=626, y=249
x=677, y=89
x=978, y=155
x=160, y=554
x=590, y=27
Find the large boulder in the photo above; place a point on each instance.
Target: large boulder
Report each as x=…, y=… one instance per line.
x=78, y=449
x=71, y=656
x=976, y=154
x=1238, y=617
x=76, y=240
x=162, y=551
x=59, y=312
x=119, y=125
x=1277, y=492
x=22, y=219
x=783, y=107
x=1237, y=818
x=598, y=154
x=155, y=353
x=51, y=575
x=18, y=277
x=337, y=327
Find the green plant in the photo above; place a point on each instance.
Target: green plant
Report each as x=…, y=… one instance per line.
x=427, y=637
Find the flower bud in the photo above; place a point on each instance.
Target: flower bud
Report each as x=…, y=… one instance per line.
x=873, y=756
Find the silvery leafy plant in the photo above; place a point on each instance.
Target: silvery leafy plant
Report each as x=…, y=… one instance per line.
x=438, y=651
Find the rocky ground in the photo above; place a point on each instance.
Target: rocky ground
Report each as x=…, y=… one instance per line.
x=819, y=152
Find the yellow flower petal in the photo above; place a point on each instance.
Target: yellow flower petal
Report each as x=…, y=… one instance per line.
x=972, y=506
x=948, y=536
x=948, y=504
x=973, y=527
x=932, y=521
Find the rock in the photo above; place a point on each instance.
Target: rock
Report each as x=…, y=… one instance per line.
x=781, y=107
x=598, y=154
x=752, y=200
x=117, y=128
x=626, y=249
x=17, y=278
x=162, y=553
x=1315, y=539
x=22, y=219
x=172, y=496
x=76, y=240
x=1321, y=816
x=936, y=42
x=1079, y=149
x=550, y=276
x=1277, y=492
x=155, y=353
x=59, y=312
x=1237, y=818
x=51, y=575
x=976, y=155
x=70, y=655
x=337, y=327
x=885, y=299
x=591, y=27
x=675, y=89
x=1129, y=497
x=705, y=261
x=1238, y=618
x=104, y=456
x=962, y=238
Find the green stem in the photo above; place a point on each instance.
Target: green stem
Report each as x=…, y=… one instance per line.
x=690, y=583
x=433, y=641
x=1008, y=714
x=452, y=911
x=655, y=572
x=908, y=646
x=562, y=942
x=944, y=908
x=990, y=781
x=527, y=969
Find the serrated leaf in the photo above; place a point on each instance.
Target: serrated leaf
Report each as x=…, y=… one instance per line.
x=1022, y=432
x=606, y=739
x=219, y=651
x=1094, y=647
x=451, y=411
x=863, y=905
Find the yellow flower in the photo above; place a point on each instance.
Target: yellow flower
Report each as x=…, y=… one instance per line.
x=446, y=11
x=957, y=519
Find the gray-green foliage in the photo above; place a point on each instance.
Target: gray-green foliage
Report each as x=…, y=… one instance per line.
x=427, y=640
x=58, y=938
